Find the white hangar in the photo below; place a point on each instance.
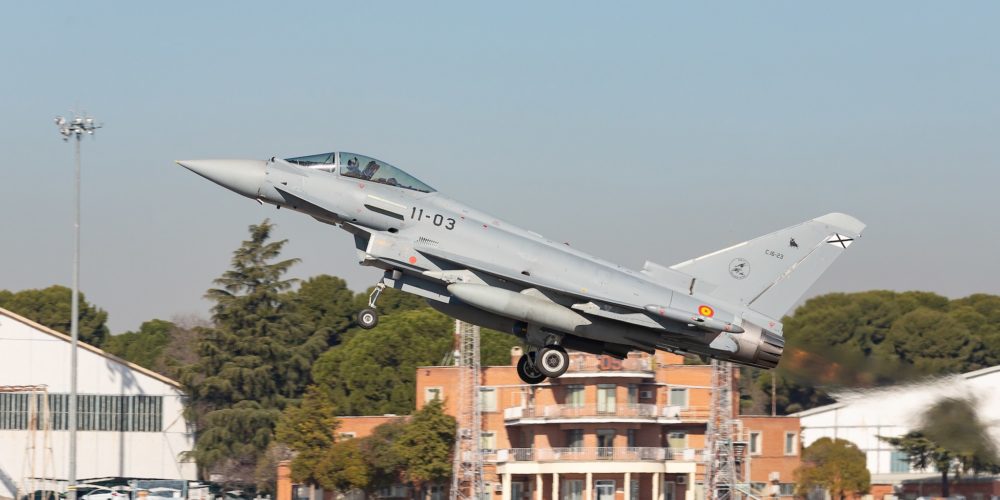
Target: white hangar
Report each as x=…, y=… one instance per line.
x=130, y=419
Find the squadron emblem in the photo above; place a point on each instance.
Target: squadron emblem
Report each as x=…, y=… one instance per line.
x=739, y=268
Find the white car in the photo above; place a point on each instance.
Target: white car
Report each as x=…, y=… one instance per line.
x=104, y=493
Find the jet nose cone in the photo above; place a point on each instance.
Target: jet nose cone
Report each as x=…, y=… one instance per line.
x=242, y=176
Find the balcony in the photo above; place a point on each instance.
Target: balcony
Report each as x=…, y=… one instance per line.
x=606, y=366
x=670, y=414
x=636, y=413
x=621, y=454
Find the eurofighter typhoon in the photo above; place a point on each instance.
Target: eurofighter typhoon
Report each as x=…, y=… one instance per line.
x=479, y=269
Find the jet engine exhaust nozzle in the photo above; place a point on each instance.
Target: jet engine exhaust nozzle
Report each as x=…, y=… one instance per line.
x=769, y=350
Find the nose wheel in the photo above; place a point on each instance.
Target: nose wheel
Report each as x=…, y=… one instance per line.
x=368, y=317
x=527, y=371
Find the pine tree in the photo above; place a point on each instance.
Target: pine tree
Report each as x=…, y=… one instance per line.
x=252, y=362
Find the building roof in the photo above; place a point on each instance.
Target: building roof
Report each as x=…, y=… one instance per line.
x=849, y=396
x=83, y=345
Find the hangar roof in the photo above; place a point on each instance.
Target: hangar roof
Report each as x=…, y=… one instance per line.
x=83, y=345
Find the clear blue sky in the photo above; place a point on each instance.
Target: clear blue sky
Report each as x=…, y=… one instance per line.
x=656, y=131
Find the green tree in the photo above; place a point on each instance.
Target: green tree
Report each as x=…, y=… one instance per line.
x=53, y=307
x=494, y=347
x=385, y=465
x=231, y=439
x=922, y=453
x=835, y=465
x=308, y=429
x=953, y=438
x=255, y=357
x=343, y=468
x=143, y=347
x=879, y=337
x=426, y=444
x=326, y=306
x=374, y=371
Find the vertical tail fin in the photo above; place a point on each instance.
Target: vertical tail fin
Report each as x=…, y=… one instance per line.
x=770, y=273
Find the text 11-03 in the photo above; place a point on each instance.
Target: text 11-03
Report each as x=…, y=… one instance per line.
x=436, y=219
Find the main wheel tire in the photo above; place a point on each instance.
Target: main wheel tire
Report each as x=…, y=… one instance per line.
x=367, y=318
x=527, y=371
x=552, y=361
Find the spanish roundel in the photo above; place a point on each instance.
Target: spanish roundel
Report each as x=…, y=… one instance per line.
x=706, y=311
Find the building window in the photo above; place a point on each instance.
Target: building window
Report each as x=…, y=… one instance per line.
x=527, y=438
x=633, y=394
x=574, y=438
x=631, y=434
x=668, y=490
x=606, y=399
x=433, y=394
x=786, y=489
x=572, y=489
x=605, y=489
x=487, y=441
x=899, y=462
x=488, y=399
x=755, y=443
x=605, y=442
x=574, y=395
x=791, y=444
x=347, y=435
x=94, y=412
x=518, y=491
x=679, y=397
x=677, y=440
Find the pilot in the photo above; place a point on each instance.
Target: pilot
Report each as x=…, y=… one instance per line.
x=352, y=168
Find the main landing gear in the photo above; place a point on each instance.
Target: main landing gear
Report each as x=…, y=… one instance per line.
x=368, y=317
x=550, y=361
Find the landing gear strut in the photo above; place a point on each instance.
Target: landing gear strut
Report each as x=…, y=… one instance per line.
x=368, y=317
x=527, y=371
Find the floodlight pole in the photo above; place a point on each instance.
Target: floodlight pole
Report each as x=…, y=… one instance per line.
x=76, y=128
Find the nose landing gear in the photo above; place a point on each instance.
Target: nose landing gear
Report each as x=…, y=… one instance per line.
x=368, y=317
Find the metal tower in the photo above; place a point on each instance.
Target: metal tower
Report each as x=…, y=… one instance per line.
x=467, y=472
x=37, y=469
x=721, y=477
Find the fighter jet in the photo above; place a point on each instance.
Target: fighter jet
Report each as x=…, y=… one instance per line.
x=477, y=268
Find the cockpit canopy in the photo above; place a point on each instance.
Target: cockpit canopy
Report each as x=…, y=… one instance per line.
x=362, y=167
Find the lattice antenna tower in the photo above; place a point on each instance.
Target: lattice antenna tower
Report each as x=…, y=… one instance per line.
x=37, y=468
x=467, y=473
x=721, y=475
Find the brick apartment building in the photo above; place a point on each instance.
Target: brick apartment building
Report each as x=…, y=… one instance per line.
x=608, y=429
